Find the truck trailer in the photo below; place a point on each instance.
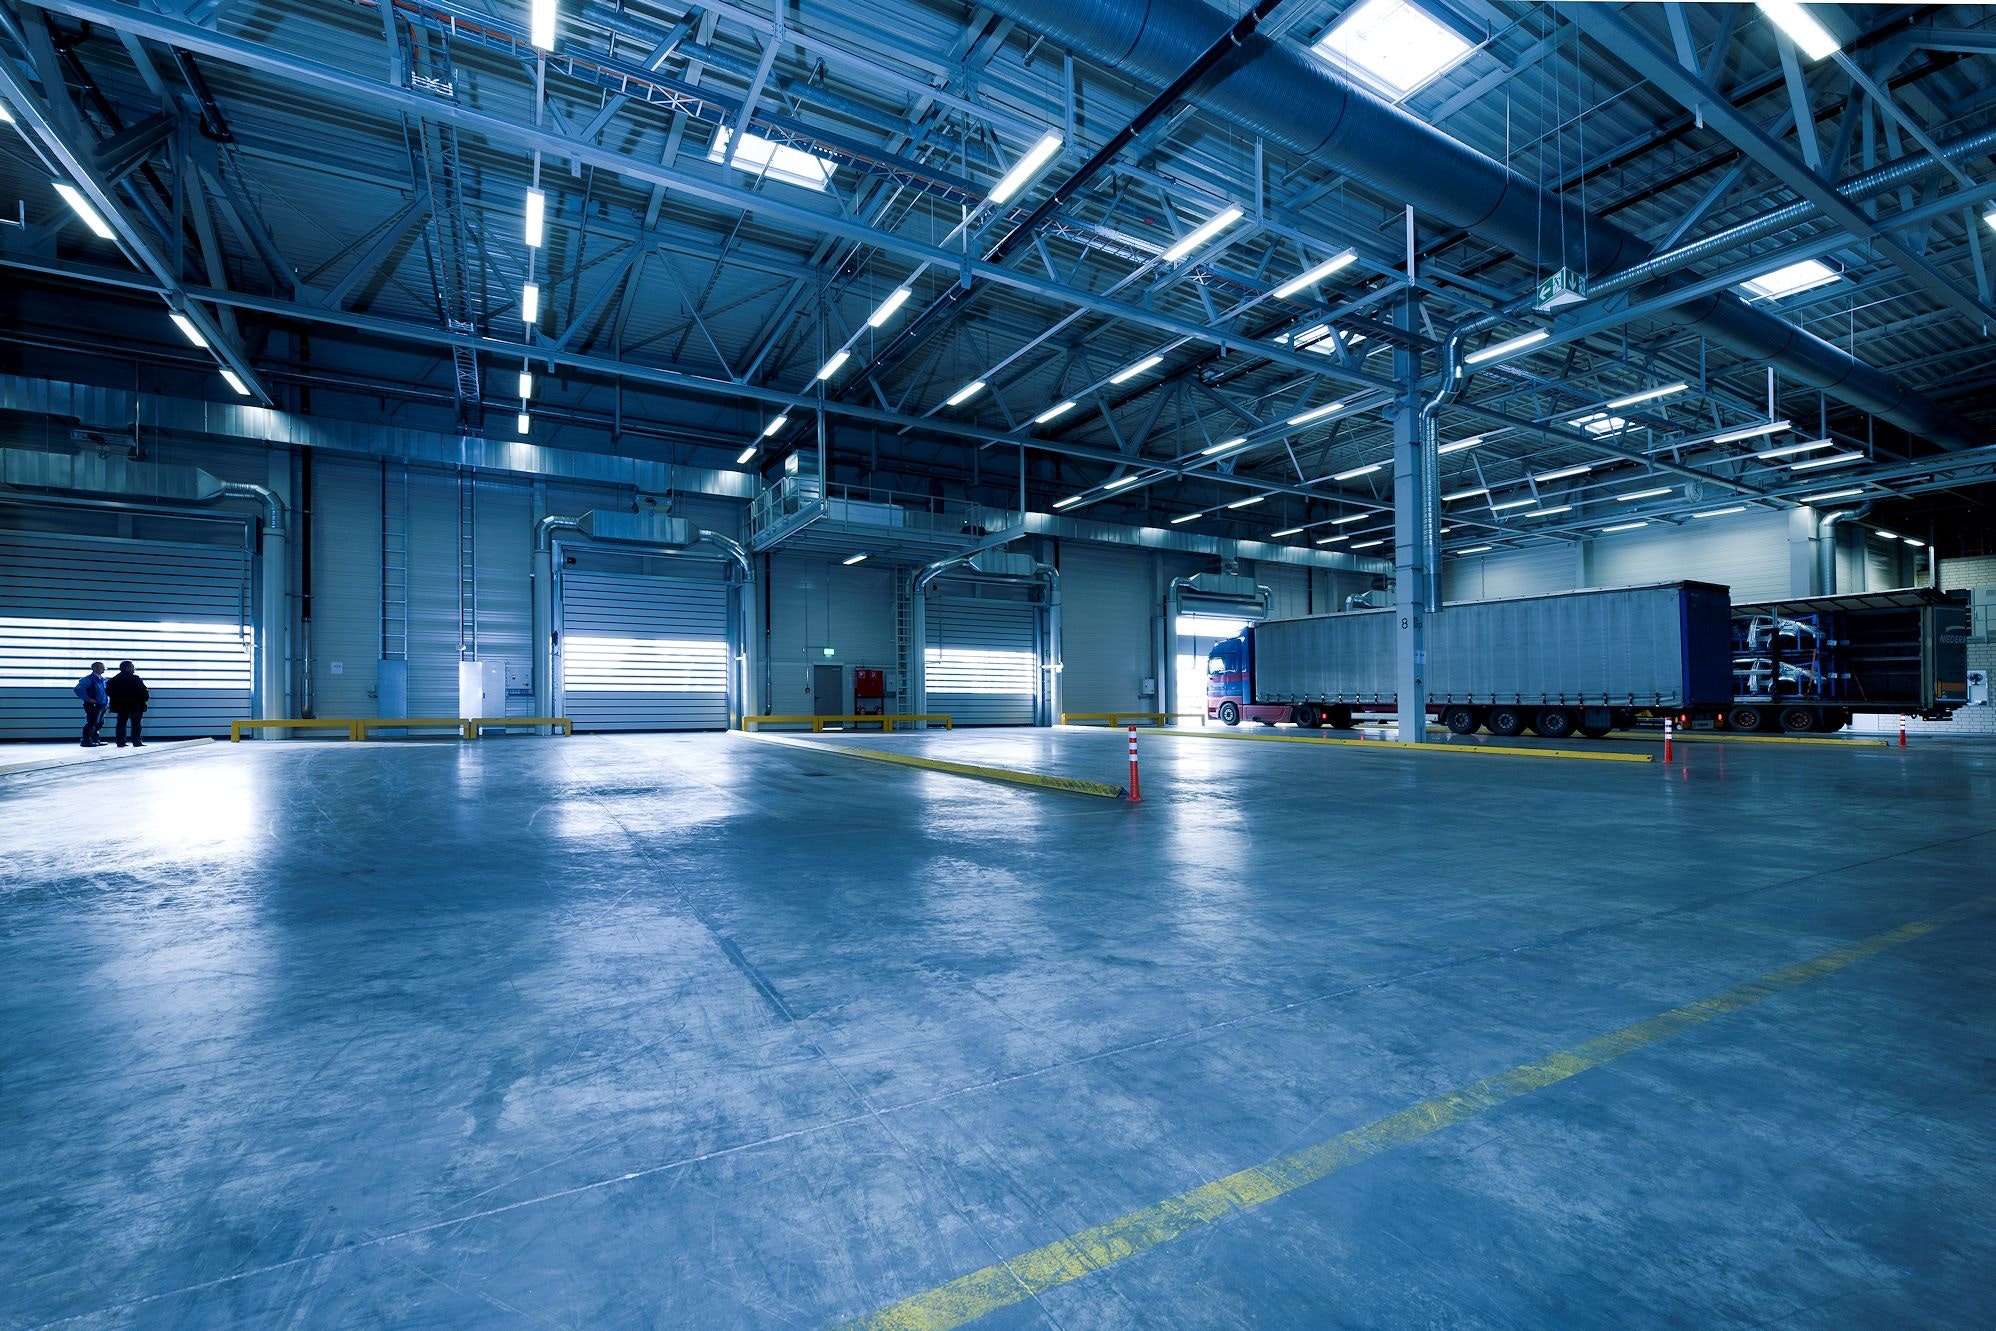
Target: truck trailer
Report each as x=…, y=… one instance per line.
x=1585, y=661
x=1812, y=663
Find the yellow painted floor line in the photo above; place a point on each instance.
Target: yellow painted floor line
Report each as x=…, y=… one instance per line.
x=1017, y=1279
x=1732, y=737
x=1387, y=746
x=1065, y=784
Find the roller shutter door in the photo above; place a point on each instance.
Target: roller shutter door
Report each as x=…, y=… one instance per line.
x=644, y=653
x=1105, y=625
x=181, y=611
x=981, y=661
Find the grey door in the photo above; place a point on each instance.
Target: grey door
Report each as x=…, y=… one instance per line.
x=828, y=690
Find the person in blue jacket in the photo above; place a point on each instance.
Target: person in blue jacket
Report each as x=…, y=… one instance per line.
x=95, y=699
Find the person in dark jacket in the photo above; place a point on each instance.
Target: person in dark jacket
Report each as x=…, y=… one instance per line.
x=129, y=696
x=91, y=690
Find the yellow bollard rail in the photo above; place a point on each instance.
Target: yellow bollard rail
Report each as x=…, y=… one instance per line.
x=1114, y=719
x=818, y=723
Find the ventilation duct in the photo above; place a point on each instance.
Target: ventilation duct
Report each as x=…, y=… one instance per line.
x=1275, y=91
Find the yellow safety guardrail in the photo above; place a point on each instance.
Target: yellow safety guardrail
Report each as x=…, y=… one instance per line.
x=473, y=725
x=1114, y=718
x=236, y=728
x=358, y=726
x=1387, y=746
x=818, y=723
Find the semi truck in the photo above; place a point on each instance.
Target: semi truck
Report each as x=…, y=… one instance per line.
x=1581, y=661
x=1813, y=663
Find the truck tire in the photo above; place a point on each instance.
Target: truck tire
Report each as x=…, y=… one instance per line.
x=1799, y=720
x=1339, y=718
x=1553, y=723
x=1748, y=720
x=1310, y=716
x=1461, y=720
x=1230, y=715
x=1504, y=722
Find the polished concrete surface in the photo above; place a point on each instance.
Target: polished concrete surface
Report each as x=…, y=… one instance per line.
x=703, y=1032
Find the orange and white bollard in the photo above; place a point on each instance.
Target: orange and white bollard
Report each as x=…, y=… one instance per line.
x=1902, y=730
x=1136, y=795
x=1666, y=739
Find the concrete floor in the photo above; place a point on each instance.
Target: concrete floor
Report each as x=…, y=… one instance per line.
x=703, y=1032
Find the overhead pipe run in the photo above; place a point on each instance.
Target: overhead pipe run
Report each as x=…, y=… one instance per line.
x=1275, y=91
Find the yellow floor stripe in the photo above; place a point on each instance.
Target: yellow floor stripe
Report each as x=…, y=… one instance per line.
x=1066, y=784
x=970, y=1297
x=1387, y=746
x=1733, y=737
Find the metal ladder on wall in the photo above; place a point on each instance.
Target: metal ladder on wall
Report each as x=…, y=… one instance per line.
x=394, y=562
x=467, y=567
x=904, y=627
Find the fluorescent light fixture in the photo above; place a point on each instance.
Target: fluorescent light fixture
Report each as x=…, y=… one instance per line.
x=1914, y=540
x=766, y=157
x=1068, y=502
x=1720, y=512
x=1223, y=446
x=1056, y=410
x=1475, y=550
x=964, y=394
x=1802, y=28
x=1791, y=279
x=1186, y=517
x=186, y=326
x=540, y=29
x=745, y=455
x=530, y=303
x=1202, y=233
x=537, y=216
x=1394, y=45
x=1286, y=531
x=526, y=385
x=895, y=300
x=1349, y=518
x=1645, y=494
x=523, y=424
x=1833, y=494
x=1548, y=512
x=1122, y=481
x=1579, y=469
x=1531, y=339
x=1367, y=545
x=831, y=367
x=1834, y=460
x=1446, y=530
x=1313, y=276
x=853, y=559
x=1128, y=373
x=1243, y=503
x=1625, y=526
x=1456, y=446
x=1650, y=395
x=1749, y=431
x=1026, y=167
x=6, y=116
x=1327, y=540
x=776, y=425
x=1512, y=503
x=1315, y=413
x=230, y=378
x=1888, y=535
x=91, y=218
x=1358, y=471
x=1466, y=494
x=1790, y=449
x=1989, y=219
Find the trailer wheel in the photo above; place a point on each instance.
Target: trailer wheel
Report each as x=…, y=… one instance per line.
x=1461, y=720
x=1504, y=721
x=1553, y=723
x=1749, y=720
x=1339, y=718
x=1798, y=720
x=1230, y=715
x=1310, y=716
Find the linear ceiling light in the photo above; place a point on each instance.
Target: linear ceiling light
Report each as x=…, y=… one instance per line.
x=1130, y=372
x=1367, y=545
x=1749, y=431
x=853, y=559
x=1720, y=512
x=1466, y=494
x=1475, y=550
x=1645, y=494
x=745, y=455
x=1349, y=518
x=1314, y=414
x=1579, y=469
x=1122, y=481
x=1625, y=526
x=1802, y=28
x=964, y=394
x=1358, y=471
x=1068, y=502
x=1327, y=540
x=1650, y=396
x=895, y=300
x=186, y=326
x=1186, y=517
x=91, y=217
x=1789, y=450
x=230, y=378
x=1202, y=233
x=776, y=425
x=541, y=25
x=1456, y=446
x=1834, y=460
x=1491, y=353
x=831, y=367
x=1913, y=540
x=1833, y=494
x=1026, y=167
x=526, y=385
x=1286, y=531
x=1548, y=512
x=530, y=303
x=1057, y=409
x=1989, y=219
x=1223, y=446
x=1888, y=535
x=1243, y=503
x=1313, y=276
x=537, y=214
x=1512, y=503
x=523, y=423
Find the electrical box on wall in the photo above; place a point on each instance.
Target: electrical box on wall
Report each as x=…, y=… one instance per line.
x=1147, y=689
x=519, y=680
x=481, y=688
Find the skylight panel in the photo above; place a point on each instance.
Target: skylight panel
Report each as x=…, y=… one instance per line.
x=1791, y=279
x=778, y=161
x=1395, y=46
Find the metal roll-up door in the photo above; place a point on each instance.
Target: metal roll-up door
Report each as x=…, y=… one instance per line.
x=643, y=653
x=1105, y=625
x=981, y=661
x=180, y=611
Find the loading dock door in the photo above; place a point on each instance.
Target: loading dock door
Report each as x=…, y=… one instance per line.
x=644, y=653
x=981, y=663
x=179, y=610
x=1202, y=623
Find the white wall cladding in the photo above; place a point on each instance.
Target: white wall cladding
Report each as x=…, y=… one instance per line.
x=818, y=603
x=1550, y=568
x=1107, y=604
x=1289, y=586
x=503, y=558
x=1748, y=554
x=433, y=592
x=346, y=585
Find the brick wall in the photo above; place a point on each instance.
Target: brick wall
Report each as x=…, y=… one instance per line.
x=1969, y=575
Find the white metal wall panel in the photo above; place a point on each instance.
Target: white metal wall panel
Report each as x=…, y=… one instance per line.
x=981, y=661
x=503, y=516
x=433, y=593
x=1106, y=612
x=1289, y=588
x=816, y=603
x=181, y=611
x=643, y=653
x=1488, y=577
x=346, y=585
x=1748, y=554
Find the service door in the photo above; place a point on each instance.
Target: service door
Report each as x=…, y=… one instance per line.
x=643, y=653
x=981, y=663
x=180, y=611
